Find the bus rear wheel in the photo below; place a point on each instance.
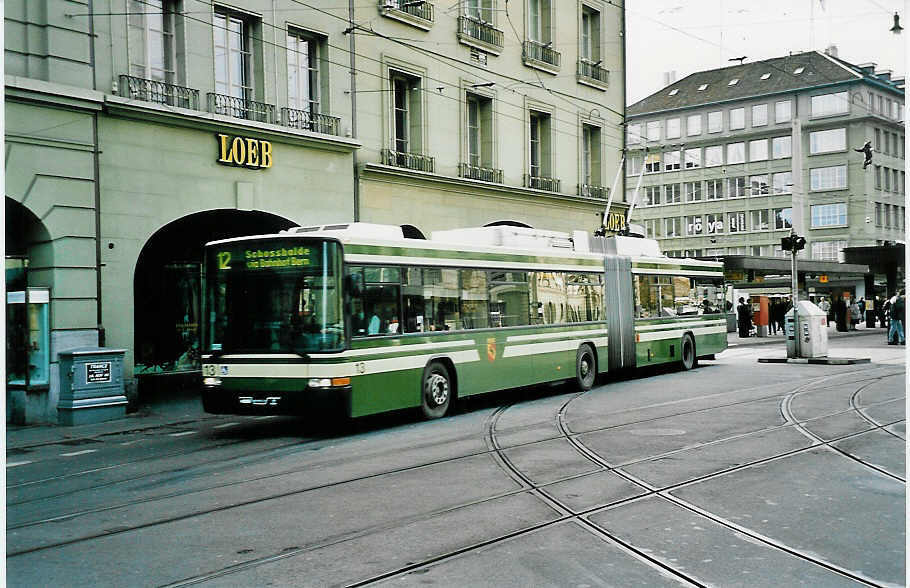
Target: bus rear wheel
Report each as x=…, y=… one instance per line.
x=688, y=360
x=585, y=367
x=436, y=393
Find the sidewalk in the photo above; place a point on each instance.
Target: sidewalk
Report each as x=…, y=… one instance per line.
x=733, y=339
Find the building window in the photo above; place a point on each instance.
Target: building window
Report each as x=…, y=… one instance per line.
x=479, y=130
x=693, y=125
x=715, y=121
x=673, y=128
x=303, y=72
x=881, y=105
x=736, y=221
x=590, y=157
x=781, y=147
x=653, y=228
x=736, y=187
x=652, y=163
x=692, y=191
x=671, y=160
x=878, y=177
x=887, y=175
x=782, y=111
x=151, y=40
x=714, y=223
x=828, y=104
x=737, y=119
x=633, y=164
x=758, y=185
x=829, y=215
x=827, y=141
x=828, y=250
x=736, y=153
x=878, y=214
x=759, y=220
x=828, y=178
x=887, y=216
x=634, y=134
x=758, y=150
x=652, y=195
x=672, y=194
x=653, y=130
x=406, y=116
x=539, y=21
x=759, y=115
x=481, y=10
x=590, y=34
x=783, y=218
x=233, y=56
x=782, y=182
x=878, y=140
x=692, y=157
x=872, y=102
x=714, y=156
x=694, y=225
x=673, y=226
x=714, y=189
x=539, y=145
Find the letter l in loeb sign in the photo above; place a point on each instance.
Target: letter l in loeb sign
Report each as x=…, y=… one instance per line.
x=244, y=152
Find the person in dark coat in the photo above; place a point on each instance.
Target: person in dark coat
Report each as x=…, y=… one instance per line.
x=840, y=314
x=744, y=318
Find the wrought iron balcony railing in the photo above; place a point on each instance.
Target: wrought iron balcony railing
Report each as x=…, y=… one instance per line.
x=589, y=191
x=419, y=8
x=480, y=31
x=160, y=92
x=240, y=108
x=542, y=183
x=310, y=121
x=475, y=172
x=534, y=51
x=588, y=70
x=413, y=161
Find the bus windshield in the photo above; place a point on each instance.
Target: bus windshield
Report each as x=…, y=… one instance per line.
x=273, y=296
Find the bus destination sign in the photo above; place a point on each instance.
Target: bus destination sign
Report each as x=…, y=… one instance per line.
x=255, y=259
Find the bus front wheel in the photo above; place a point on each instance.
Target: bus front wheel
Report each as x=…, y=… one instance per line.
x=688, y=360
x=585, y=367
x=436, y=394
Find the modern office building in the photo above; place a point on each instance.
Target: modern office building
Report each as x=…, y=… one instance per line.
x=137, y=130
x=734, y=157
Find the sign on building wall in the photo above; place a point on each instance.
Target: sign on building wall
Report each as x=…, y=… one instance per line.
x=615, y=221
x=244, y=152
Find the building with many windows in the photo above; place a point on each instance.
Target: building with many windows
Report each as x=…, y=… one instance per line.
x=728, y=153
x=138, y=130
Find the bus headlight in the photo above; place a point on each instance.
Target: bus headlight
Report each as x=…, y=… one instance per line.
x=328, y=382
x=211, y=381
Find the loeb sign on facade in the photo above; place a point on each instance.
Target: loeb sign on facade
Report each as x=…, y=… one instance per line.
x=244, y=152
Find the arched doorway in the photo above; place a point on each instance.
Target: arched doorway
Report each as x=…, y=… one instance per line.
x=167, y=285
x=28, y=266
x=412, y=232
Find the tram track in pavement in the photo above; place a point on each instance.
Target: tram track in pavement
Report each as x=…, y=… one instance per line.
x=566, y=513
x=302, y=447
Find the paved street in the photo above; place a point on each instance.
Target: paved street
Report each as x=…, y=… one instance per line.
x=734, y=474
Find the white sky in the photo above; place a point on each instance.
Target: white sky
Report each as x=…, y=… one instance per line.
x=696, y=35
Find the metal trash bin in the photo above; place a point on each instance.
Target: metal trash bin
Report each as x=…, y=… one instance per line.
x=91, y=386
x=812, y=331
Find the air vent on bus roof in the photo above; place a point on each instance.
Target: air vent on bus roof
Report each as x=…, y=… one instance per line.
x=303, y=229
x=335, y=227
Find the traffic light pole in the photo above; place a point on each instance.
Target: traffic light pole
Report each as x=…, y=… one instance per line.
x=794, y=293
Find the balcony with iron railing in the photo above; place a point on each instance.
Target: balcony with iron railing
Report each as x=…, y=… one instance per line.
x=240, y=108
x=541, y=183
x=484, y=174
x=480, y=35
x=309, y=121
x=591, y=74
x=414, y=161
x=159, y=92
x=540, y=56
x=590, y=191
x=418, y=13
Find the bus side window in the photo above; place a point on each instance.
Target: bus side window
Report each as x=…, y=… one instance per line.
x=356, y=292
x=412, y=298
x=509, y=300
x=475, y=300
x=382, y=312
x=551, y=297
x=441, y=299
x=585, y=297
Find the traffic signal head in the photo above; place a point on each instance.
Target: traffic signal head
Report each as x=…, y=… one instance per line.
x=792, y=243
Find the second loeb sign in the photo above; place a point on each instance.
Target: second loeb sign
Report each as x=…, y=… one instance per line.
x=244, y=152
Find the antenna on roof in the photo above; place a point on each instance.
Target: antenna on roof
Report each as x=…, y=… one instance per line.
x=739, y=59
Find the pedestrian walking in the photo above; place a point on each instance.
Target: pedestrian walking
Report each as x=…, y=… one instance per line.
x=854, y=316
x=840, y=314
x=898, y=317
x=743, y=318
x=772, y=311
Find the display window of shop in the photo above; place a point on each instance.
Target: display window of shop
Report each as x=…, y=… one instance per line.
x=27, y=328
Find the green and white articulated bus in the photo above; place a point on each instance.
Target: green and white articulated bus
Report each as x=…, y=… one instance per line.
x=358, y=318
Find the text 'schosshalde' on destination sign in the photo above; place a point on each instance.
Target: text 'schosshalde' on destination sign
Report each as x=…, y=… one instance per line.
x=254, y=259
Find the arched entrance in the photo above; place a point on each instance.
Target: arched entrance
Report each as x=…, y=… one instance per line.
x=412, y=232
x=167, y=285
x=28, y=267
